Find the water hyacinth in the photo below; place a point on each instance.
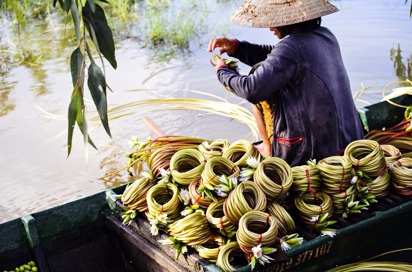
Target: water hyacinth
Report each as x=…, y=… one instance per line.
x=260, y=254
x=184, y=196
x=225, y=186
x=133, y=142
x=247, y=172
x=290, y=241
x=166, y=176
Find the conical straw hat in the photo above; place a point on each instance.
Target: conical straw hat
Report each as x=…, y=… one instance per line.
x=274, y=13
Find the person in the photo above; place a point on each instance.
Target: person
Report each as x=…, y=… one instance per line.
x=302, y=77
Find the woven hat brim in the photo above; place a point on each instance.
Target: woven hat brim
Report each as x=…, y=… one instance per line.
x=275, y=13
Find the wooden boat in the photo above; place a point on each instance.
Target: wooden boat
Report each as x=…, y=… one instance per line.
x=88, y=235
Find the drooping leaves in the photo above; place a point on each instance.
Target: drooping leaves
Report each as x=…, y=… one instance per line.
x=96, y=22
x=97, y=86
x=92, y=5
x=77, y=68
x=76, y=114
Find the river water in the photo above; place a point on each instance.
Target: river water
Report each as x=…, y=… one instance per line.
x=35, y=173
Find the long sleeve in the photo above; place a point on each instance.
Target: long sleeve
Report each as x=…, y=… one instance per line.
x=275, y=72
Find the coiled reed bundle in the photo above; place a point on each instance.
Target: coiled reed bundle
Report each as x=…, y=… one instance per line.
x=274, y=177
x=158, y=152
x=402, y=176
x=196, y=196
x=163, y=198
x=214, y=149
x=378, y=186
x=256, y=228
x=339, y=199
x=239, y=151
x=247, y=196
x=215, y=168
x=407, y=155
x=367, y=157
x=217, y=218
x=398, y=136
x=160, y=159
x=313, y=205
x=231, y=257
x=210, y=249
x=187, y=165
x=191, y=230
x=134, y=196
x=285, y=222
x=305, y=178
x=391, y=153
x=336, y=174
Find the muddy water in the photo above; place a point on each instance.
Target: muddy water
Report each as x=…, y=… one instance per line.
x=35, y=172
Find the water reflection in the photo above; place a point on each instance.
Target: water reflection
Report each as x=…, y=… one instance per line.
x=6, y=105
x=403, y=69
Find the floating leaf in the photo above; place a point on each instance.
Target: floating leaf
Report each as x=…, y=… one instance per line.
x=97, y=87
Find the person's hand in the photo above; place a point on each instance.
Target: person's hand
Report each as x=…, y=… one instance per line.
x=226, y=45
x=264, y=149
x=219, y=63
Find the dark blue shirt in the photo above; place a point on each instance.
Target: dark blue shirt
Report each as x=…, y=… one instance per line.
x=315, y=116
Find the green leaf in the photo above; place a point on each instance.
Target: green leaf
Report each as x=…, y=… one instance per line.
x=92, y=5
x=97, y=87
x=76, y=115
x=67, y=5
x=75, y=107
x=77, y=68
x=76, y=20
x=97, y=22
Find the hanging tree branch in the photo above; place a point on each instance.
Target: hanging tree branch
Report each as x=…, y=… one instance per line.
x=90, y=16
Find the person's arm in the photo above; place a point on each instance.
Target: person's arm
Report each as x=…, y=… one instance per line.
x=265, y=148
x=270, y=77
x=246, y=52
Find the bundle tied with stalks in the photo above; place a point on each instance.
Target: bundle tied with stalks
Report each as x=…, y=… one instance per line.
x=156, y=153
x=187, y=165
x=257, y=229
x=368, y=160
x=218, y=219
x=244, y=198
x=391, y=153
x=214, y=149
x=285, y=222
x=314, y=212
x=163, y=204
x=231, y=257
x=399, y=136
x=336, y=179
x=239, y=151
x=306, y=178
x=214, y=169
x=210, y=249
x=134, y=195
x=191, y=230
x=197, y=198
x=274, y=177
x=401, y=171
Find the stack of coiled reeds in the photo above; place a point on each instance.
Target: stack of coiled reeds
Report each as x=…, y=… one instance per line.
x=193, y=191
